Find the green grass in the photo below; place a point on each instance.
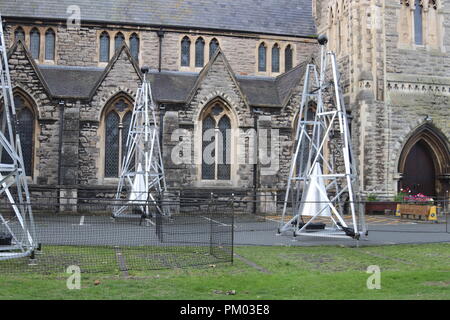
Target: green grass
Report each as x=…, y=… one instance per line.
x=407, y=272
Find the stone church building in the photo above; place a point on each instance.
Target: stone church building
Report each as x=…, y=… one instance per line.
x=235, y=65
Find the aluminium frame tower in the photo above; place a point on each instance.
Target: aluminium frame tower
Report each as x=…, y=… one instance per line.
x=142, y=172
x=16, y=217
x=322, y=176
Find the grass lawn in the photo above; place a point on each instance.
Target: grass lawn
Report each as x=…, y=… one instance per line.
x=407, y=272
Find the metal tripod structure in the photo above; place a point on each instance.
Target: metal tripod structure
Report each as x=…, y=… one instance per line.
x=322, y=169
x=16, y=225
x=142, y=172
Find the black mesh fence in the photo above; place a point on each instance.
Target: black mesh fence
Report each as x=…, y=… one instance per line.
x=191, y=232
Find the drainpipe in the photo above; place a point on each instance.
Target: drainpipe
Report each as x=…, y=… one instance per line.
x=160, y=34
x=256, y=112
x=60, y=142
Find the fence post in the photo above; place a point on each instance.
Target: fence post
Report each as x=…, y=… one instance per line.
x=232, y=228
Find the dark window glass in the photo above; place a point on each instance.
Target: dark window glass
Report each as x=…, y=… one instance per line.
x=112, y=145
x=288, y=58
x=199, y=52
x=126, y=122
x=26, y=134
x=276, y=58
x=35, y=43
x=185, y=52
x=19, y=34
x=213, y=46
x=208, y=164
x=50, y=45
x=26, y=127
x=262, y=57
x=418, y=30
x=104, y=47
x=134, y=46
x=224, y=167
x=118, y=41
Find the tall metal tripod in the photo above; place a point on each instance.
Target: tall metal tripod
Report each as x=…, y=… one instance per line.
x=142, y=172
x=322, y=170
x=16, y=219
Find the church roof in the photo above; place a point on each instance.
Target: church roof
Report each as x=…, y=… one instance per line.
x=171, y=86
x=282, y=17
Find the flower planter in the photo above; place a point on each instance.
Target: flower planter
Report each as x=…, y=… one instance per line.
x=380, y=207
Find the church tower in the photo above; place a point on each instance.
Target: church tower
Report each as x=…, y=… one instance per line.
x=393, y=56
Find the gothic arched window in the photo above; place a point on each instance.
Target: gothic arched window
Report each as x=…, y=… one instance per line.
x=26, y=118
x=19, y=34
x=276, y=58
x=199, y=52
x=185, y=52
x=50, y=45
x=119, y=39
x=216, y=143
x=213, y=46
x=418, y=23
x=134, y=46
x=288, y=58
x=104, y=47
x=35, y=43
x=262, y=57
x=117, y=124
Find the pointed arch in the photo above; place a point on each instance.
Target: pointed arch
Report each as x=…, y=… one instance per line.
x=217, y=147
x=19, y=34
x=276, y=58
x=213, y=46
x=28, y=127
x=262, y=57
x=428, y=140
x=115, y=124
x=199, y=52
x=35, y=43
x=50, y=42
x=185, y=52
x=104, y=47
x=119, y=39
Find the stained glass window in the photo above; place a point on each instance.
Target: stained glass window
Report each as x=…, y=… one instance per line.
x=19, y=34
x=208, y=165
x=199, y=52
x=185, y=52
x=50, y=45
x=276, y=58
x=288, y=58
x=134, y=46
x=213, y=46
x=224, y=168
x=26, y=133
x=117, y=125
x=104, y=47
x=418, y=28
x=112, y=145
x=26, y=123
x=35, y=43
x=262, y=57
x=216, y=145
x=118, y=41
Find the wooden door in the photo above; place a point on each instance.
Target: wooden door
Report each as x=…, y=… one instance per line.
x=419, y=173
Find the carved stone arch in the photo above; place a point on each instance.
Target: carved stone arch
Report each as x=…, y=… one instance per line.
x=123, y=115
x=438, y=148
x=214, y=97
x=106, y=99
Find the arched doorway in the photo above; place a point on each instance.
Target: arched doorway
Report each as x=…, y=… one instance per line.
x=425, y=162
